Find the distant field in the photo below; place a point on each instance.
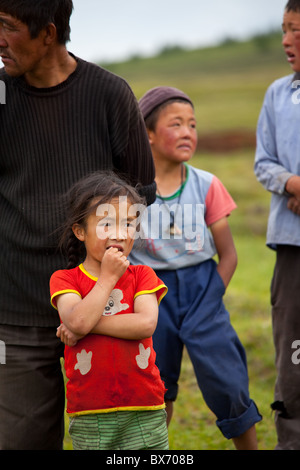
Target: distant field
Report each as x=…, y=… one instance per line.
x=226, y=83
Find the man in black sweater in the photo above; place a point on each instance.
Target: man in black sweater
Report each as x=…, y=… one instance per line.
x=63, y=119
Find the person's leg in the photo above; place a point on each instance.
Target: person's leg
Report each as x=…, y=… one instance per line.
x=166, y=341
x=219, y=359
x=169, y=410
x=286, y=329
x=247, y=440
x=31, y=390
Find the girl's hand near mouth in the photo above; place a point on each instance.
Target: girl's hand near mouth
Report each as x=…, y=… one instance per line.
x=114, y=262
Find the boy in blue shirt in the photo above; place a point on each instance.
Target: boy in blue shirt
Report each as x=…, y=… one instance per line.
x=184, y=230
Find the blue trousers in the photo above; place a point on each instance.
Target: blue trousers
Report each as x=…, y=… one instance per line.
x=192, y=314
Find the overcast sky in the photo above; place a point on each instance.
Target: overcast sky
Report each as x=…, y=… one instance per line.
x=112, y=30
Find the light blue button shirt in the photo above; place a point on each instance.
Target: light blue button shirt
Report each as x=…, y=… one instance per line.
x=278, y=157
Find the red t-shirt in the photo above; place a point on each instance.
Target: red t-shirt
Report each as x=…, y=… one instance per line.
x=108, y=374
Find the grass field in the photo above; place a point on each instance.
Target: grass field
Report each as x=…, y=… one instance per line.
x=227, y=85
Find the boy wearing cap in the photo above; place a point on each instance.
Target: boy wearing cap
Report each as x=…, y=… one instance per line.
x=192, y=207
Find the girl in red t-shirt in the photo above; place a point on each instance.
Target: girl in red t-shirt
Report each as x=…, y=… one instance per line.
x=109, y=311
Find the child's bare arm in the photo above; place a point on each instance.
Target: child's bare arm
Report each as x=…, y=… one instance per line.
x=82, y=315
x=225, y=249
x=131, y=326
x=138, y=325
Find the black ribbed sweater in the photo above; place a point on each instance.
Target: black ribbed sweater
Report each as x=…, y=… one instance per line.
x=49, y=138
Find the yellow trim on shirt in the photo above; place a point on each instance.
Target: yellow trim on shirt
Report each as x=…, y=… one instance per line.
x=67, y=291
x=120, y=408
x=152, y=291
x=82, y=268
x=162, y=286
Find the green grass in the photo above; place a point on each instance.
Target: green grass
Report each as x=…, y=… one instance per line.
x=227, y=85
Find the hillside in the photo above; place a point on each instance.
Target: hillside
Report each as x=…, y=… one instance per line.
x=227, y=84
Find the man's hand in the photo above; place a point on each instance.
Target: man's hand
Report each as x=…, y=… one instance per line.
x=293, y=186
x=294, y=205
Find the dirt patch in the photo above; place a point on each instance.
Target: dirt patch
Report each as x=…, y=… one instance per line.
x=226, y=141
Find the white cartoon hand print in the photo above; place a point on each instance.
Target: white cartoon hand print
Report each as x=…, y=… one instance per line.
x=143, y=358
x=84, y=362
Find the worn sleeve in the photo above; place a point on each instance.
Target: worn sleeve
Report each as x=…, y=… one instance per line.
x=218, y=202
x=269, y=172
x=62, y=282
x=148, y=282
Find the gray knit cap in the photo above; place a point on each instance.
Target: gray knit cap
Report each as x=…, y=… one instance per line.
x=159, y=95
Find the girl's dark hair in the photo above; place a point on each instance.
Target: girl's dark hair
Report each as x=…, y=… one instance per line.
x=152, y=119
x=80, y=203
x=293, y=5
x=38, y=14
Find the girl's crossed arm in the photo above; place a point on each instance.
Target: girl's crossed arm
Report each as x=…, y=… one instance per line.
x=83, y=316
x=132, y=326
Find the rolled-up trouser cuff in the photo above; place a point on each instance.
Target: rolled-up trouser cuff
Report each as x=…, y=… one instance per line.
x=235, y=427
